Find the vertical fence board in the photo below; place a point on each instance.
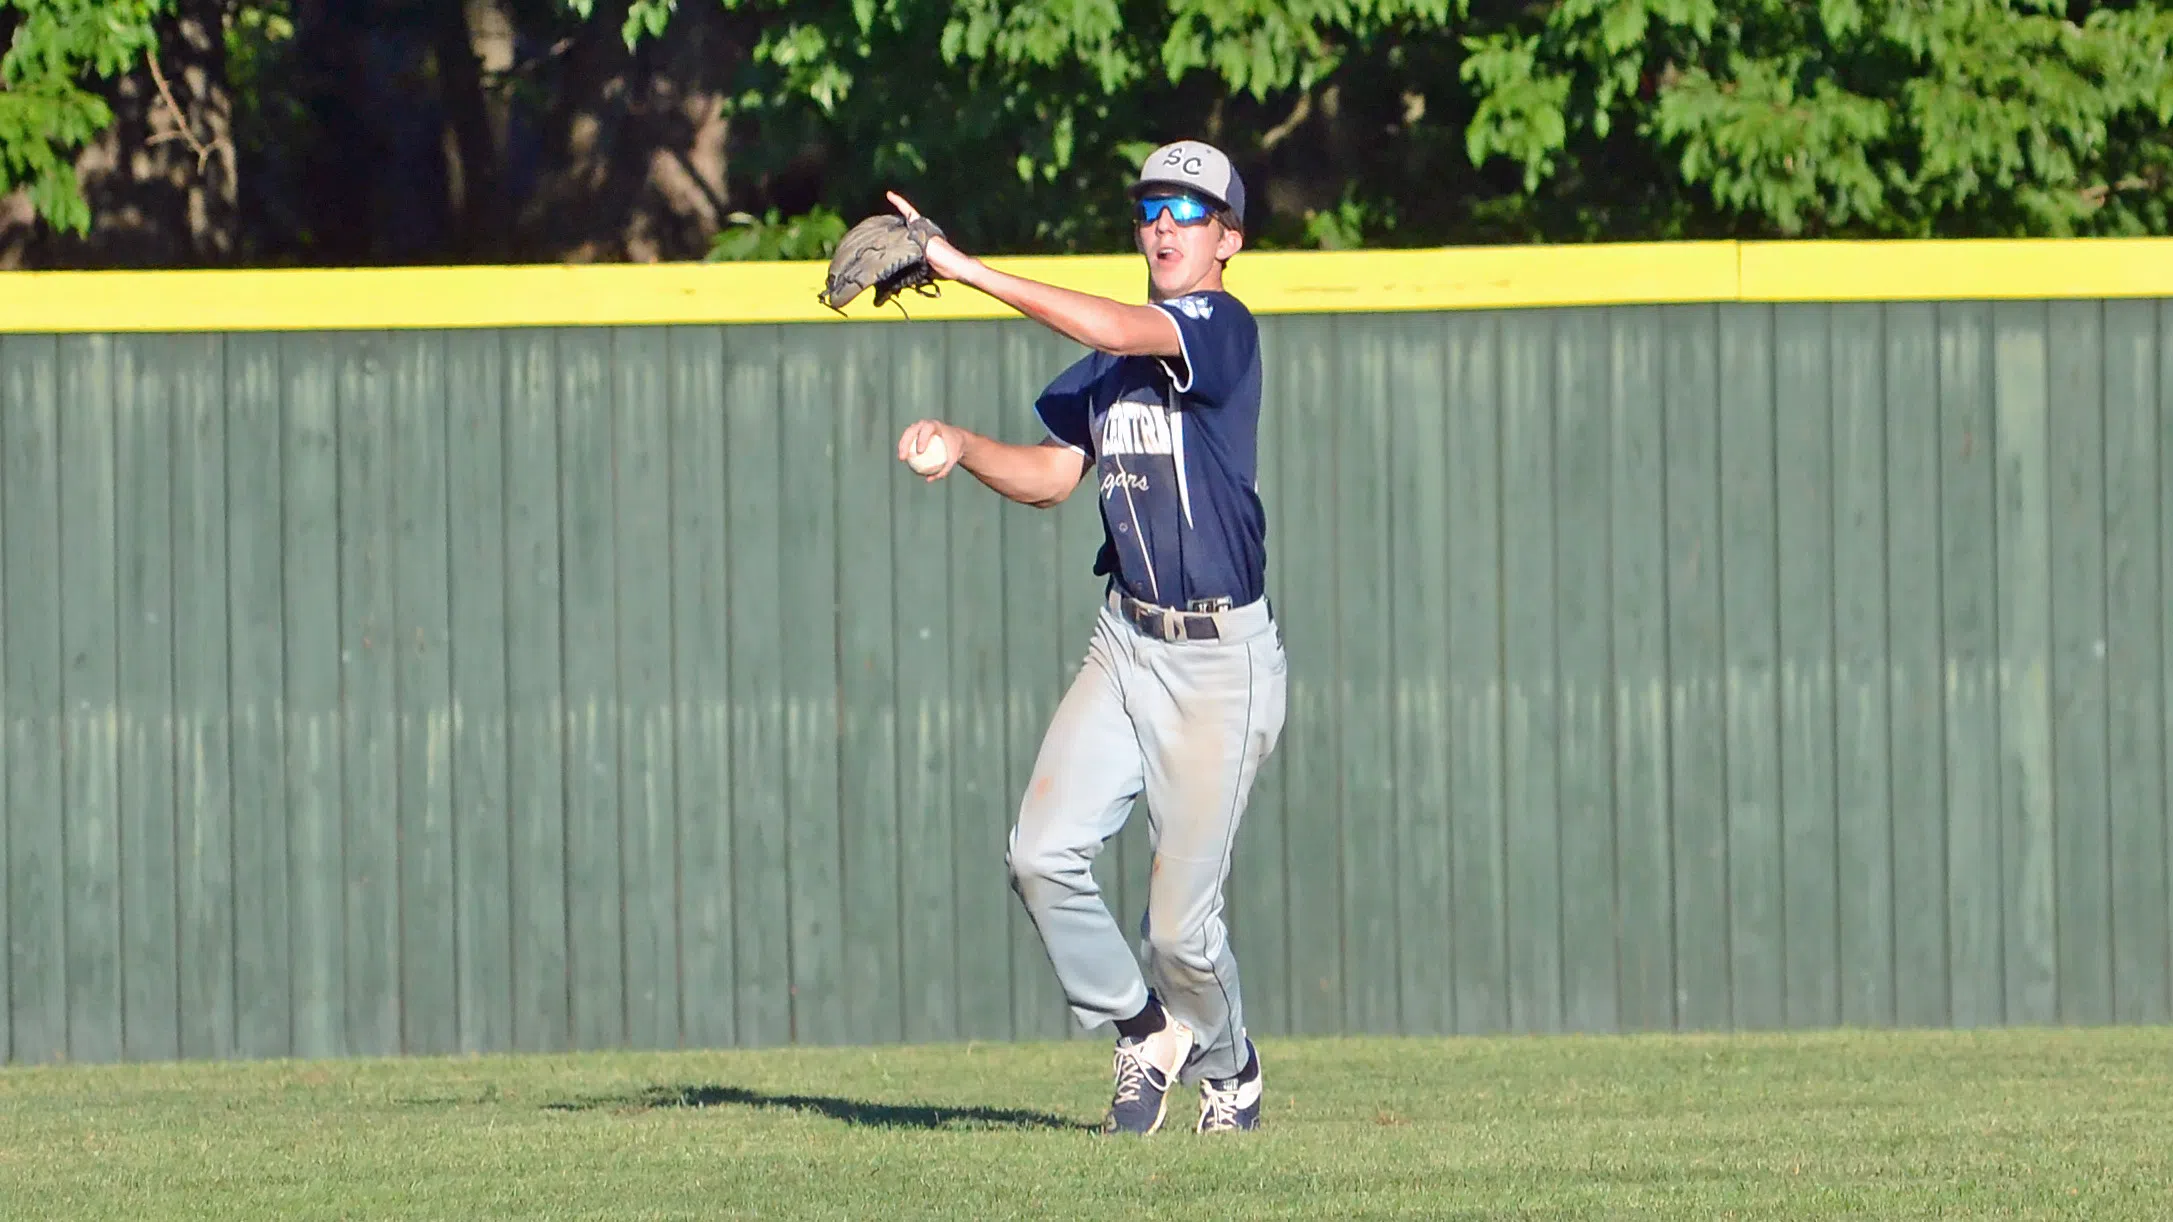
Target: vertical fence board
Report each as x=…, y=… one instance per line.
x=1365, y=668
x=1696, y=726
x=2162, y=401
x=1302, y=362
x=368, y=703
x=1584, y=610
x=2071, y=431
x=808, y=389
x=1750, y=642
x=1636, y=531
x=429, y=912
x=89, y=675
x=643, y=727
x=1417, y=535
x=1531, y=716
x=1471, y=467
x=1864, y=839
x=2142, y=936
x=1968, y=555
x=595, y=898
x=702, y=685
x=1916, y=642
x=870, y=481
x=144, y=410
x=37, y=820
x=204, y=707
x=264, y=968
x=482, y=617
x=535, y=695
x=983, y=804
x=757, y=619
x=930, y=969
x=2024, y=643
x=311, y=557
x=1804, y=473
x=9, y=348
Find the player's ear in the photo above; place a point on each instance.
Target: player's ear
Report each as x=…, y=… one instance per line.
x=1231, y=241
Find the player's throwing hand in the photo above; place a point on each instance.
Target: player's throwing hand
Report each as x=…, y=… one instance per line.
x=931, y=448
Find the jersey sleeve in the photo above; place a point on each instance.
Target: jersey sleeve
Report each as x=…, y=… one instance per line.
x=1219, y=337
x=1066, y=404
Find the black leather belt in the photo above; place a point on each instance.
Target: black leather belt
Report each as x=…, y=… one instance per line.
x=1166, y=623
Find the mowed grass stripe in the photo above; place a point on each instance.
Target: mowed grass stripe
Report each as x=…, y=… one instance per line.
x=2007, y=1124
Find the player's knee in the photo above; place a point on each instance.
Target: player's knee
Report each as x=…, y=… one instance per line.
x=1190, y=946
x=1042, y=872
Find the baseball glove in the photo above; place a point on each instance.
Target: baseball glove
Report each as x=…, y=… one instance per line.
x=885, y=252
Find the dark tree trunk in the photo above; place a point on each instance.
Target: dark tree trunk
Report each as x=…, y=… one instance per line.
x=473, y=173
x=392, y=132
x=632, y=152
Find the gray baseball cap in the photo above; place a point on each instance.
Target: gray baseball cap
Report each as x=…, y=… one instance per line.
x=1194, y=166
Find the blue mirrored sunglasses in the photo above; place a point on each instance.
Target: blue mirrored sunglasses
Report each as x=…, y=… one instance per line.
x=1182, y=209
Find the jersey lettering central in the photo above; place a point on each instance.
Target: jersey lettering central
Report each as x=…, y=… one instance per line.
x=1143, y=492
x=1174, y=447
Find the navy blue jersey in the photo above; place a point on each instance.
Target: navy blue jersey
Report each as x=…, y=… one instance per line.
x=1175, y=447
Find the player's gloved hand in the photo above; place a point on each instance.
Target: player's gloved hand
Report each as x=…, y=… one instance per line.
x=945, y=260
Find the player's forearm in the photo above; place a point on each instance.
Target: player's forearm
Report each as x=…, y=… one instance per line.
x=1099, y=323
x=1037, y=475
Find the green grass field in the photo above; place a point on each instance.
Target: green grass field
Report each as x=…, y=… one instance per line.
x=2001, y=1124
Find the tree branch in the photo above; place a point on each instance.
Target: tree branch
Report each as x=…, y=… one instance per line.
x=181, y=119
x=1281, y=131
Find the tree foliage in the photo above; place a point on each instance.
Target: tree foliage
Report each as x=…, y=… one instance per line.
x=47, y=110
x=1358, y=122
x=1898, y=117
x=1021, y=116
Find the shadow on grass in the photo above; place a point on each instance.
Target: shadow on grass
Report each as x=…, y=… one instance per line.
x=850, y=1111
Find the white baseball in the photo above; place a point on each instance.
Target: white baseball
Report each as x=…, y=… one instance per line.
x=931, y=457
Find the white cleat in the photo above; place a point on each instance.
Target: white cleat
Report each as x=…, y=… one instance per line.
x=1230, y=1105
x=1146, y=1069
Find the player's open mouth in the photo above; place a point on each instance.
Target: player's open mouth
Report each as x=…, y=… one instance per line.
x=1168, y=254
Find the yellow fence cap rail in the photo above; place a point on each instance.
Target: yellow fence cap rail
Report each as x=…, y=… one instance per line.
x=1271, y=282
x=1985, y=269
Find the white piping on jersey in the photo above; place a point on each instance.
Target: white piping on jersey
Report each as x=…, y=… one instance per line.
x=1184, y=354
x=1177, y=453
x=1177, y=418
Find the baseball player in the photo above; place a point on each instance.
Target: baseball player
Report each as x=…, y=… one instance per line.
x=1181, y=692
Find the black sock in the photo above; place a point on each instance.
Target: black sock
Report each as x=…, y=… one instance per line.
x=1143, y=1024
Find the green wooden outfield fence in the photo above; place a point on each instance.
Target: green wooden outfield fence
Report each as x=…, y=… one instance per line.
x=1688, y=666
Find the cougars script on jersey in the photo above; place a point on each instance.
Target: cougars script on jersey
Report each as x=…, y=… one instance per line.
x=1175, y=448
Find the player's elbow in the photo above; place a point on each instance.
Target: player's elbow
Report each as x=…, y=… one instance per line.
x=1055, y=493
x=1061, y=469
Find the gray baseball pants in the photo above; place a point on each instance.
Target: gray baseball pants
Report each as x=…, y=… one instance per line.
x=1188, y=723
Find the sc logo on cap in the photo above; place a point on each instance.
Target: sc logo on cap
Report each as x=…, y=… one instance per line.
x=1190, y=165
